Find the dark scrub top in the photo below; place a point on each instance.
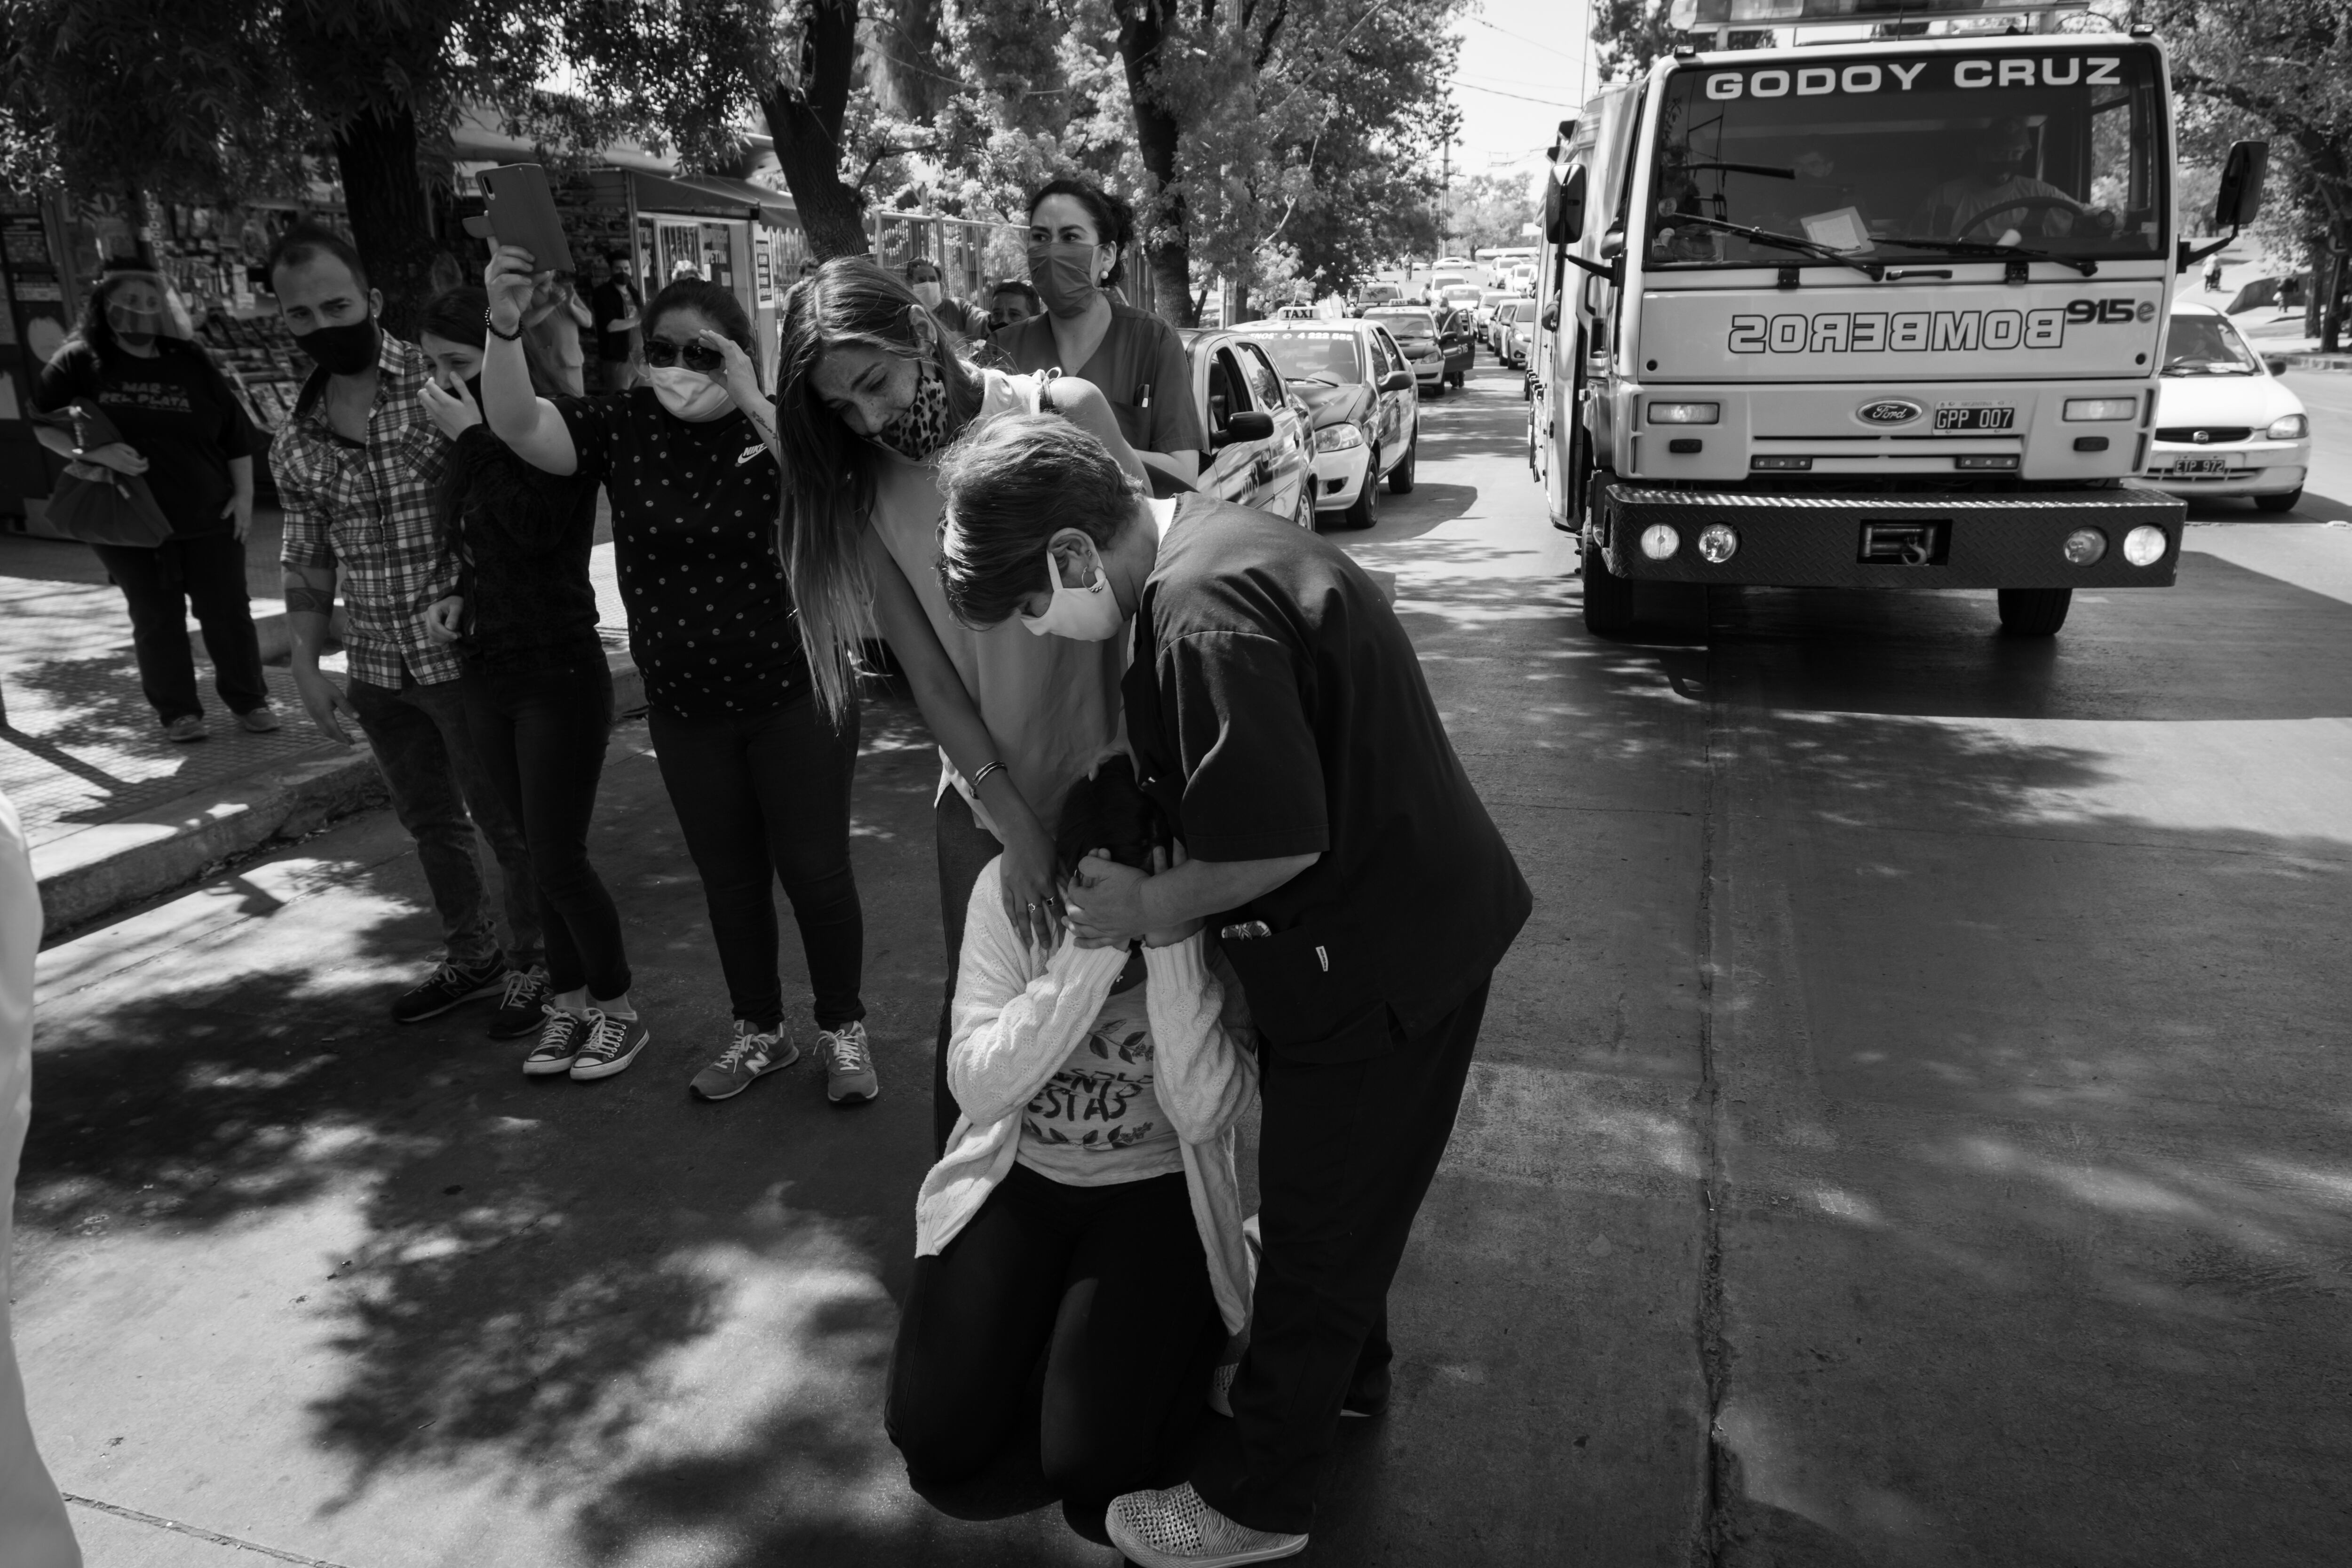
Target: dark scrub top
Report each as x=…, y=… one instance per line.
x=1141, y=356
x=175, y=410
x=1275, y=707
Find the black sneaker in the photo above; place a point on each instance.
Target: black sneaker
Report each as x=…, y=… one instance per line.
x=560, y=1039
x=609, y=1047
x=445, y=987
x=520, y=1009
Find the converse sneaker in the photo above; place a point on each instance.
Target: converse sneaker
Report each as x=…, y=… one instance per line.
x=753, y=1054
x=1176, y=1529
x=560, y=1039
x=611, y=1044
x=445, y=987
x=519, y=1010
x=848, y=1064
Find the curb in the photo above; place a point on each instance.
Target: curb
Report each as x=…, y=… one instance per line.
x=91, y=875
x=2318, y=361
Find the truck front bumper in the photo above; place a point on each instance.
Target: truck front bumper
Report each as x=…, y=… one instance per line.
x=1977, y=539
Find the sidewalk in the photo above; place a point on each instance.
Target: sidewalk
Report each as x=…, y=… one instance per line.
x=115, y=812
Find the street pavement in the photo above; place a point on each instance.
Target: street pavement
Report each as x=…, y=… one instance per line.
x=1910, y=1129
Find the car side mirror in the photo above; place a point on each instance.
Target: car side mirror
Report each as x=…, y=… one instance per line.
x=1397, y=381
x=2275, y=364
x=2240, y=193
x=1564, y=208
x=1255, y=426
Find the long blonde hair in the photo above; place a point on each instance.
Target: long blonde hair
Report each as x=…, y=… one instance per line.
x=830, y=471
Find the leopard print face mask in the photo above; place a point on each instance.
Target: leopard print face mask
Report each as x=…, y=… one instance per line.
x=922, y=428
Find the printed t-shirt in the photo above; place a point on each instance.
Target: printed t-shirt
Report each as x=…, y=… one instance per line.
x=175, y=410
x=1275, y=707
x=1098, y=1120
x=694, y=526
x=1139, y=356
x=1051, y=704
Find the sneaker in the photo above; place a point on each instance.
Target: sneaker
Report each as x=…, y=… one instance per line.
x=261, y=720
x=848, y=1064
x=445, y=987
x=519, y=1010
x=560, y=1039
x=610, y=1045
x=186, y=728
x=1176, y=1529
x=752, y=1054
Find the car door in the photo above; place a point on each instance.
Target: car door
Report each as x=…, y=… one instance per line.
x=1232, y=473
x=1386, y=359
x=1291, y=452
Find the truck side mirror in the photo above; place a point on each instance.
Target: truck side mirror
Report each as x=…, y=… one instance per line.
x=1564, y=208
x=2240, y=194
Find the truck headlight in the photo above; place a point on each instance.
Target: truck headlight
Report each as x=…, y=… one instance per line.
x=2084, y=546
x=2294, y=427
x=1660, y=540
x=1718, y=543
x=1685, y=413
x=2143, y=546
x=2082, y=408
x=1338, y=438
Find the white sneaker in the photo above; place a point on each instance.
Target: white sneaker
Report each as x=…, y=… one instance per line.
x=848, y=1064
x=1176, y=1529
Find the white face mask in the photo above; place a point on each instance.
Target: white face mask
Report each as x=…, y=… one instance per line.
x=689, y=394
x=1090, y=613
x=929, y=294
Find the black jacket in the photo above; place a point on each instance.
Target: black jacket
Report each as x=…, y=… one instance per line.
x=521, y=538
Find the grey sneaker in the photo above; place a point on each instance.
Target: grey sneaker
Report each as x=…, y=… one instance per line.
x=261, y=720
x=560, y=1039
x=848, y=1064
x=611, y=1045
x=751, y=1054
x=186, y=728
x=1176, y=1529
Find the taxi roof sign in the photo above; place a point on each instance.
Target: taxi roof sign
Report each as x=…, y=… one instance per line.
x=1698, y=16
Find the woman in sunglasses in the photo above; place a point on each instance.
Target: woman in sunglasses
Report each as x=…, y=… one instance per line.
x=757, y=769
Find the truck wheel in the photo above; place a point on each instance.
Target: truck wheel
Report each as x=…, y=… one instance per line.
x=1401, y=477
x=2280, y=503
x=1365, y=513
x=1608, y=598
x=2033, y=612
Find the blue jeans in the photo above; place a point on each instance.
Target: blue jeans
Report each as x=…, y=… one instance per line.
x=429, y=764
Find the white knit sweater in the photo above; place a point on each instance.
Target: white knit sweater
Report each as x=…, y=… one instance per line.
x=1019, y=1013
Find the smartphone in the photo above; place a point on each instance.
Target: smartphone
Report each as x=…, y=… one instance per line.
x=522, y=212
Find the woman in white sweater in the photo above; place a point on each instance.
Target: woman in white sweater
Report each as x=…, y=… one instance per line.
x=1086, y=1211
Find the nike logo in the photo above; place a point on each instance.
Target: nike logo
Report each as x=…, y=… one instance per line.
x=749, y=454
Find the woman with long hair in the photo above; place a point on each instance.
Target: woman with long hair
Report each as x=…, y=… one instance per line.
x=538, y=693
x=181, y=426
x=758, y=766
x=869, y=390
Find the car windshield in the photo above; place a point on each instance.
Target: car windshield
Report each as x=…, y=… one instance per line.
x=1493, y=296
x=1405, y=326
x=1314, y=357
x=2206, y=346
x=1896, y=157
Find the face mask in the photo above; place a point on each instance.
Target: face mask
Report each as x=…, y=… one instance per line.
x=689, y=394
x=921, y=429
x=346, y=350
x=137, y=329
x=929, y=294
x=1065, y=275
x=1090, y=613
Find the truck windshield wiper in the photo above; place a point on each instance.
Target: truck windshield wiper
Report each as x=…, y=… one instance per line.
x=1874, y=271
x=2081, y=264
x=1766, y=169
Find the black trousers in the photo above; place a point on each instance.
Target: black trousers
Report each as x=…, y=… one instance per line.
x=1059, y=1347
x=764, y=798
x=540, y=735
x=1345, y=1155
x=159, y=585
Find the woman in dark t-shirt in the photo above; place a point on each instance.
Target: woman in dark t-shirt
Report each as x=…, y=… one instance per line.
x=181, y=428
x=758, y=771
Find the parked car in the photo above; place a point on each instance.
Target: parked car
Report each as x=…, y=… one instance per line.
x=1261, y=439
x=1372, y=296
x=1485, y=312
x=1498, y=326
x=1365, y=408
x=1415, y=332
x=2225, y=424
x=1519, y=348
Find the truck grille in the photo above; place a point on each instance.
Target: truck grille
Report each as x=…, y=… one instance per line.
x=2204, y=434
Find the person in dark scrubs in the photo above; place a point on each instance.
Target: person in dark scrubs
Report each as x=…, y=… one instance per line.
x=1361, y=893
x=1077, y=233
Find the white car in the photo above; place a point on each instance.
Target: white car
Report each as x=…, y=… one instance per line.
x=1364, y=407
x=2225, y=424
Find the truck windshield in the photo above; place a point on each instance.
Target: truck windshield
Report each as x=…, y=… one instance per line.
x=1901, y=157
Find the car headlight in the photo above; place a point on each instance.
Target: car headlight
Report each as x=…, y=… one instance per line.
x=2294, y=427
x=1338, y=438
x=2081, y=408
x=1685, y=413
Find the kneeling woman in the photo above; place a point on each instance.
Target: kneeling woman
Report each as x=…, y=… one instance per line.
x=1087, y=1210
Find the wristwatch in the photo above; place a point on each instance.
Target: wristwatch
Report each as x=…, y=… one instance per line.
x=492, y=328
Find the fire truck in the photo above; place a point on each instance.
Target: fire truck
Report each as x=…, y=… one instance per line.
x=1877, y=308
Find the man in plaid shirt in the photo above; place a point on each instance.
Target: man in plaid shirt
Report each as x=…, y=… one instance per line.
x=359, y=467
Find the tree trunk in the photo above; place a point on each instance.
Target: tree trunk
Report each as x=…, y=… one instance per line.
x=806, y=121
x=1168, y=251
x=392, y=222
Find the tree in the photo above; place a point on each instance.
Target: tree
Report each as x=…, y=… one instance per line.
x=1491, y=210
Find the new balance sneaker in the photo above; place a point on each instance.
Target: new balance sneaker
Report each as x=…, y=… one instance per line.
x=1176, y=1529
x=560, y=1039
x=611, y=1045
x=525, y=1000
x=753, y=1054
x=848, y=1064
x=445, y=987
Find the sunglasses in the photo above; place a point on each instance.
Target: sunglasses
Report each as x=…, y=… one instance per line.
x=694, y=356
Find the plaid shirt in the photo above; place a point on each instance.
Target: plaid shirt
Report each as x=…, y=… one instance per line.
x=370, y=514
